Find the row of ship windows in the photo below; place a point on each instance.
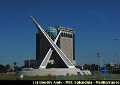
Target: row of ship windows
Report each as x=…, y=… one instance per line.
x=66, y=35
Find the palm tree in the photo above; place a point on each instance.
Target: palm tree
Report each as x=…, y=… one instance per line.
x=14, y=63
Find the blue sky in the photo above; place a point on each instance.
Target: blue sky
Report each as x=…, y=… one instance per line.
x=96, y=24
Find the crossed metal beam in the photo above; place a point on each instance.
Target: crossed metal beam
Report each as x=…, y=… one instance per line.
x=55, y=47
x=49, y=53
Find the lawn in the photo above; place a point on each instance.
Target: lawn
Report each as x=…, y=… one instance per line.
x=94, y=76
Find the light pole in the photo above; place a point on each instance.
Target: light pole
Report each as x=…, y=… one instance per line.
x=98, y=56
x=98, y=51
x=116, y=49
x=13, y=64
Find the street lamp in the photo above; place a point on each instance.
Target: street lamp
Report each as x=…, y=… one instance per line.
x=98, y=56
x=115, y=48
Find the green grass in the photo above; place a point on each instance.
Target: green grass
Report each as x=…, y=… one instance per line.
x=94, y=76
x=8, y=77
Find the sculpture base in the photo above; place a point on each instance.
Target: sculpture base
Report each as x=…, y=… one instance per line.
x=52, y=72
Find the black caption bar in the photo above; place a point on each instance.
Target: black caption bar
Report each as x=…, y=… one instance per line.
x=48, y=82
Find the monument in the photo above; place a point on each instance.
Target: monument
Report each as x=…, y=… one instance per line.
x=54, y=61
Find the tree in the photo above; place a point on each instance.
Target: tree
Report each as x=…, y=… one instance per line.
x=14, y=63
x=2, y=69
x=7, y=67
x=93, y=67
x=85, y=67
